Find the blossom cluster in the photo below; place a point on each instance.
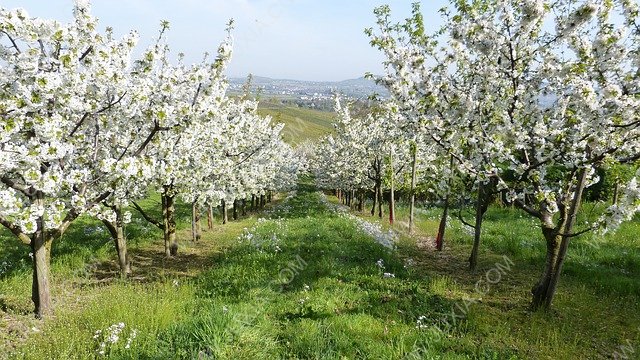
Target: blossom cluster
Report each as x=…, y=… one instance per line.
x=106, y=340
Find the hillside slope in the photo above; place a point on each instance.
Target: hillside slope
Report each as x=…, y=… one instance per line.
x=300, y=123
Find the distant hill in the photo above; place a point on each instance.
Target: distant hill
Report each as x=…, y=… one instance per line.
x=355, y=88
x=295, y=103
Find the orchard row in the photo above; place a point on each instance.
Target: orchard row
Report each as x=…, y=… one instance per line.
x=528, y=100
x=89, y=129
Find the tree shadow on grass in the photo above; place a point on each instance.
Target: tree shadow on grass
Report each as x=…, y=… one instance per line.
x=150, y=265
x=83, y=238
x=616, y=274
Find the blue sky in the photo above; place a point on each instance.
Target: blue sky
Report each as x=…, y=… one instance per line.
x=294, y=39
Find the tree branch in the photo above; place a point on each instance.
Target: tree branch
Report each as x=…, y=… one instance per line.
x=111, y=228
x=250, y=155
x=461, y=218
x=146, y=142
x=85, y=53
x=16, y=231
x=195, y=97
x=529, y=210
x=578, y=233
x=147, y=217
x=78, y=124
x=111, y=104
x=15, y=186
x=73, y=214
x=13, y=42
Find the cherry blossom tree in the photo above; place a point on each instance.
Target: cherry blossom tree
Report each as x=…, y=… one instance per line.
x=184, y=103
x=64, y=91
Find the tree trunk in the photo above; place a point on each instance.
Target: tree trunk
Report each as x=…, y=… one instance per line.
x=169, y=212
x=210, y=217
x=443, y=225
x=380, y=197
x=262, y=202
x=244, y=207
x=121, y=242
x=269, y=196
x=616, y=192
x=253, y=202
x=235, y=209
x=165, y=226
x=353, y=198
x=392, y=195
x=443, y=221
x=117, y=233
x=225, y=217
x=540, y=290
x=193, y=221
x=566, y=237
x=41, y=287
x=477, y=229
x=196, y=228
x=375, y=199
x=412, y=203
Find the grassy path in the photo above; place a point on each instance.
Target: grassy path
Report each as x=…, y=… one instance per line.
x=303, y=282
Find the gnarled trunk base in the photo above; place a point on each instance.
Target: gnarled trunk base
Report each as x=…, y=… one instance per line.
x=540, y=291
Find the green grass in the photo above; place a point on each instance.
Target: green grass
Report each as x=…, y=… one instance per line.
x=303, y=284
x=300, y=123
